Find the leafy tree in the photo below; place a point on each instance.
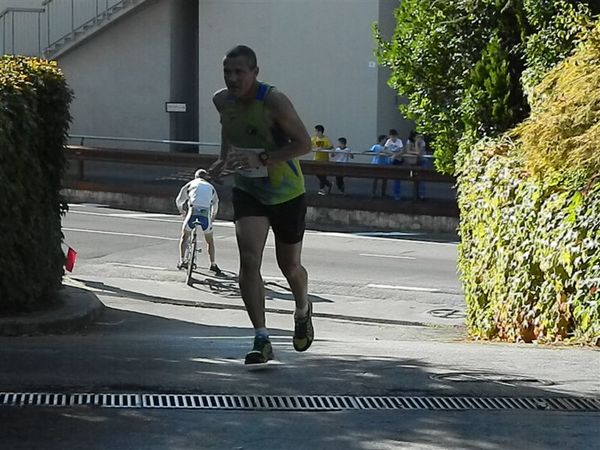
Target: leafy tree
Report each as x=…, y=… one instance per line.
x=460, y=64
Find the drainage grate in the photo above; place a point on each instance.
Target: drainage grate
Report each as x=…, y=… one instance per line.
x=295, y=403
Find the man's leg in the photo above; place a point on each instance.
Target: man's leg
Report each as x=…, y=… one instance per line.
x=288, y=259
x=251, y=233
x=185, y=235
x=210, y=245
x=339, y=181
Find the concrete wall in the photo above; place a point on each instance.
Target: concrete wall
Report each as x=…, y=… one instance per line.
x=316, y=218
x=319, y=52
x=125, y=73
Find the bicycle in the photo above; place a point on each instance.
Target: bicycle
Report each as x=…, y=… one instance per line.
x=191, y=251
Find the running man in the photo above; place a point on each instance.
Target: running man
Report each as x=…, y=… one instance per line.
x=261, y=137
x=201, y=201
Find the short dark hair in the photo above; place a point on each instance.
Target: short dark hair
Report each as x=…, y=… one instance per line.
x=393, y=132
x=381, y=137
x=320, y=128
x=343, y=140
x=246, y=52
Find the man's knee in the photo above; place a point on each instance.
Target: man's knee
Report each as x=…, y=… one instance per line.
x=291, y=268
x=250, y=260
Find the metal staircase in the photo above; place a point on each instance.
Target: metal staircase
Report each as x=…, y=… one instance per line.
x=58, y=26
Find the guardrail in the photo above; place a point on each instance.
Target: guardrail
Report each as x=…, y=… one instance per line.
x=22, y=31
x=81, y=154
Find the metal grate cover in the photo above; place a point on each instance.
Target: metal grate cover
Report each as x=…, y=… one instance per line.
x=294, y=402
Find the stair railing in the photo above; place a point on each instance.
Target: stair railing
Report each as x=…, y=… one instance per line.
x=22, y=31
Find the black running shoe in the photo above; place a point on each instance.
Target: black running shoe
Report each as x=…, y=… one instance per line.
x=214, y=268
x=261, y=352
x=304, y=332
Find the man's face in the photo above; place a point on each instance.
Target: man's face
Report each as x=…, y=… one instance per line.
x=239, y=76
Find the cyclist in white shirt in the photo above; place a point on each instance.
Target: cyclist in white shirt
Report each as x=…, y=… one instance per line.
x=201, y=201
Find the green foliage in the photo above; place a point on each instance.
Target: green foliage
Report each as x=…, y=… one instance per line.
x=493, y=99
x=530, y=250
x=558, y=27
x=460, y=64
x=563, y=131
x=530, y=215
x=34, y=118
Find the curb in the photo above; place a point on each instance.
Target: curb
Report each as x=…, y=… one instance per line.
x=77, y=308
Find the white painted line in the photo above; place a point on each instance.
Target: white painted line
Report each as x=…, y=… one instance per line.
x=387, y=239
x=227, y=224
x=137, y=266
x=387, y=256
x=402, y=288
x=274, y=278
x=151, y=218
x=79, y=230
x=387, y=233
x=88, y=205
x=140, y=215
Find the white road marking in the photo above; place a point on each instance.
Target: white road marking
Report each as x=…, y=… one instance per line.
x=387, y=256
x=79, y=230
x=274, y=278
x=402, y=288
x=137, y=266
x=379, y=237
x=227, y=224
x=149, y=217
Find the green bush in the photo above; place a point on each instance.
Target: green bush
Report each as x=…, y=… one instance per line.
x=530, y=215
x=34, y=118
x=465, y=68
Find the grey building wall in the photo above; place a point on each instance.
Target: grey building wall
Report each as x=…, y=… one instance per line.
x=319, y=52
x=388, y=116
x=125, y=73
x=184, y=73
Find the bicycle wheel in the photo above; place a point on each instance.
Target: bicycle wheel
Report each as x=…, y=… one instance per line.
x=191, y=258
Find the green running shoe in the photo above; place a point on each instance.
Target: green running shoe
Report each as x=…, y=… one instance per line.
x=304, y=332
x=261, y=352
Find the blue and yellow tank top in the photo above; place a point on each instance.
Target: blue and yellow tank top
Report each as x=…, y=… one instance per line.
x=246, y=127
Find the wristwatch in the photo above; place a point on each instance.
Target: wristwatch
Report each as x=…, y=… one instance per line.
x=263, y=158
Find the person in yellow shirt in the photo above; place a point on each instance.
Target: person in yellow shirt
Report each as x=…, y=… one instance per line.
x=319, y=143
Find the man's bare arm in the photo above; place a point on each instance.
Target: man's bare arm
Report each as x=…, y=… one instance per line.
x=284, y=115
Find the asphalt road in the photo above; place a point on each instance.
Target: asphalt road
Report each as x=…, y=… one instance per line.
x=388, y=323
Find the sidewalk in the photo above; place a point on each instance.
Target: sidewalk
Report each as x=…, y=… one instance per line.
x=348, y=355
x=78, y=307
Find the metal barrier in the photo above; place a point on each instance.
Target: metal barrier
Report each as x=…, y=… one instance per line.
x=22, y=31
x=66, y=18
x=81, y=154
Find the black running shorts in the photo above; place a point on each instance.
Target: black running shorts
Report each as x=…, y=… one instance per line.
x=287, y=219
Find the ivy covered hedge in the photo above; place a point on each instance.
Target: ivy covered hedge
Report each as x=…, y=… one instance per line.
x=530, y=215
x=34, y=118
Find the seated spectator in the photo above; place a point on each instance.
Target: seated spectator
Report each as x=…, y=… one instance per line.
x=341, y=154
x=381, y=158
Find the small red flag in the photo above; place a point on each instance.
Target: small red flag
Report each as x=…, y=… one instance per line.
x=70, y=260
